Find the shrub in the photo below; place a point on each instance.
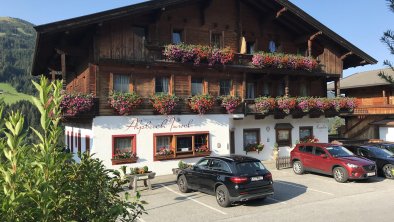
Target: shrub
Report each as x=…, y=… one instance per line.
x=41, y=183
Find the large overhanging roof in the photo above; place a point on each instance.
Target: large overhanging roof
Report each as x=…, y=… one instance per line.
x=293, y=14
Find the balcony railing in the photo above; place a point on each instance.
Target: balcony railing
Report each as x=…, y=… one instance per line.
x=375, y=106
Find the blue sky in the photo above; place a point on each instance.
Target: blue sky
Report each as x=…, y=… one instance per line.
x=361, y=22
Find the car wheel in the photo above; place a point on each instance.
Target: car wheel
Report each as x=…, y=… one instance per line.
x=298, y=168
x=388, y=171
x=182, y=184
x=222, y=196
x=340, y=174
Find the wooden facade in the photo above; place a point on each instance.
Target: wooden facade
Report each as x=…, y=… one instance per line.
x=88, y=56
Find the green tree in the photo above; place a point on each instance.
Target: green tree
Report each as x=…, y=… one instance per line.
x=388, y=40
x=39, y=182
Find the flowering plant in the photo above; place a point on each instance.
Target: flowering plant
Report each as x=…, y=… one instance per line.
x=283, y=61
x=164, y=103
x=252, y=147
x=123, y=155
x=264, y=104
x=164, y=151
x=201, y=103
x=310, y=139
x=347, y=103
x=303, y=104
x=202, y=148
x=197, y=54
x=230, y=102
x=286, y=103
x=124, y=103
x=72, y=104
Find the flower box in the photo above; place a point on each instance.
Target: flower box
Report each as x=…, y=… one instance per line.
x=164, y=103
x=330, y=113
x=315, y=113
x=279, y=114
x=75, y=104
x=124, y=103
x=124, y=161
x=201, y=103
x=284, y=61
x=230, y=103
x=206, y=153
x=297, y=113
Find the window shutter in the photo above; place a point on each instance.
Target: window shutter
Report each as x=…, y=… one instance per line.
x=111, y=82
x=131, y=84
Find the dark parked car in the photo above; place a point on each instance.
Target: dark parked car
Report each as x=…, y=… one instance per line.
x=231, y=178
x=383, y=145
x=384, y=159
x=332, y=160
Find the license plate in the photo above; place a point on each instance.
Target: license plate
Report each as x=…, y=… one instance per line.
x=256, y=178
x=143, y=177
x=371, y=174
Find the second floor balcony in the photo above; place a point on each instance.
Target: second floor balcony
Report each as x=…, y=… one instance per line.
x=375, y=106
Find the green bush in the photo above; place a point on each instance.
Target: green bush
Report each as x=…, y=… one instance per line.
x=41, y=183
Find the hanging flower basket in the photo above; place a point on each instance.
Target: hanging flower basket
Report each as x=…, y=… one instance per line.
x=230, y=102
x=124, y=103
x=164, y=103
x=74, y=104
x=201, y=103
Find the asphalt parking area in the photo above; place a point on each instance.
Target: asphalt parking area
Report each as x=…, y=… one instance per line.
x=308, y=197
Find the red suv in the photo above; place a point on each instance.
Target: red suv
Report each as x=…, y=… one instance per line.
x=332, y=160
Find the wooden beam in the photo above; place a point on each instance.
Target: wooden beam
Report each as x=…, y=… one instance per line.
x=63, y=65
x=315, y=35
x=71, y=51
x=244, y=86
x=239, y=24
x=346, y=55
x=280, y=12
x=310, y=41
x=337, y=88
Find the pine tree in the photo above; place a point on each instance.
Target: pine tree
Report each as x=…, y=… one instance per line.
x=388, y=39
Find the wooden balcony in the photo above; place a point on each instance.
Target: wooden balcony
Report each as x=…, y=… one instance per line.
x=375, y=106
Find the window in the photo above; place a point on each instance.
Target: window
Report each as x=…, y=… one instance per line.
x=251, y=136
x=184, y=143
x=216, y=40
x=308, y=149
x=220, y=165
x=281, y=88
x=123, y=149
x=306, y=132
x=266, y=89
x=176, y=36
x=319, y=151
x=303, y=89
x=121, y=83
x=283, y=134
x=203, y=164
x=197, y=86
x=162, y=85
x=272, y=46
x=225, y=86
x=178, y=145
x=250, y=47
x=250, y=90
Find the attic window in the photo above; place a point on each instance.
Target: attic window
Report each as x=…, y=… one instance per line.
x=216, y=40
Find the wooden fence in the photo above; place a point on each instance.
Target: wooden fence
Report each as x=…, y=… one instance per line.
x=283, y=162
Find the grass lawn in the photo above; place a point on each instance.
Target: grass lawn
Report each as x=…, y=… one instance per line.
x=10, y=95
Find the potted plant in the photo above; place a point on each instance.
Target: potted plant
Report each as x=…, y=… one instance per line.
x=124, y=157
x=164, y=103
x=254, y=147
x=124, y=103
x=230, y=102
x=201, y=103
x=181, y=166
x=74, y=104
x=264, y=105
x=164, y=153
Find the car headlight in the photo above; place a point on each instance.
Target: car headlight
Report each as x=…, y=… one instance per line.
x=351, y=165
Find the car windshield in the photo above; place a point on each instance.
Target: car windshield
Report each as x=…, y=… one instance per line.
x=249, y=167
x=381, y=152
x=339, y=151
x=389, y=147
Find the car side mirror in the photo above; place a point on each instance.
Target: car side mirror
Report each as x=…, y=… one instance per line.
x=323, y=156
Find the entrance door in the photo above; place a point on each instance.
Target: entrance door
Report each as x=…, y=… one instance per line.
x=232, y=146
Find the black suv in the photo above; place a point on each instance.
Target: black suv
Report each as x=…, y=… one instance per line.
x=384, y=159
x=231, y=178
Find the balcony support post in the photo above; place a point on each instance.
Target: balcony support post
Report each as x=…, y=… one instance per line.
x=337, y=88
x=63, y=64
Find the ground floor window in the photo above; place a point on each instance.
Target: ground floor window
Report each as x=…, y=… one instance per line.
x=123, y=149
x=283, y=134
x=306, y=132
x=181, y=145
x=251, y=139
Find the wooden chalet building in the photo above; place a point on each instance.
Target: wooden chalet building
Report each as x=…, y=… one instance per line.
x=122, y=50
x=374, y=118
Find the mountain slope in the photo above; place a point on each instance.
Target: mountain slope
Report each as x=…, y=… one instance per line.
x=17, y=39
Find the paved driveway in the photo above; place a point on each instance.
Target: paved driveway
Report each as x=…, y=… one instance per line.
x=308, y=197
